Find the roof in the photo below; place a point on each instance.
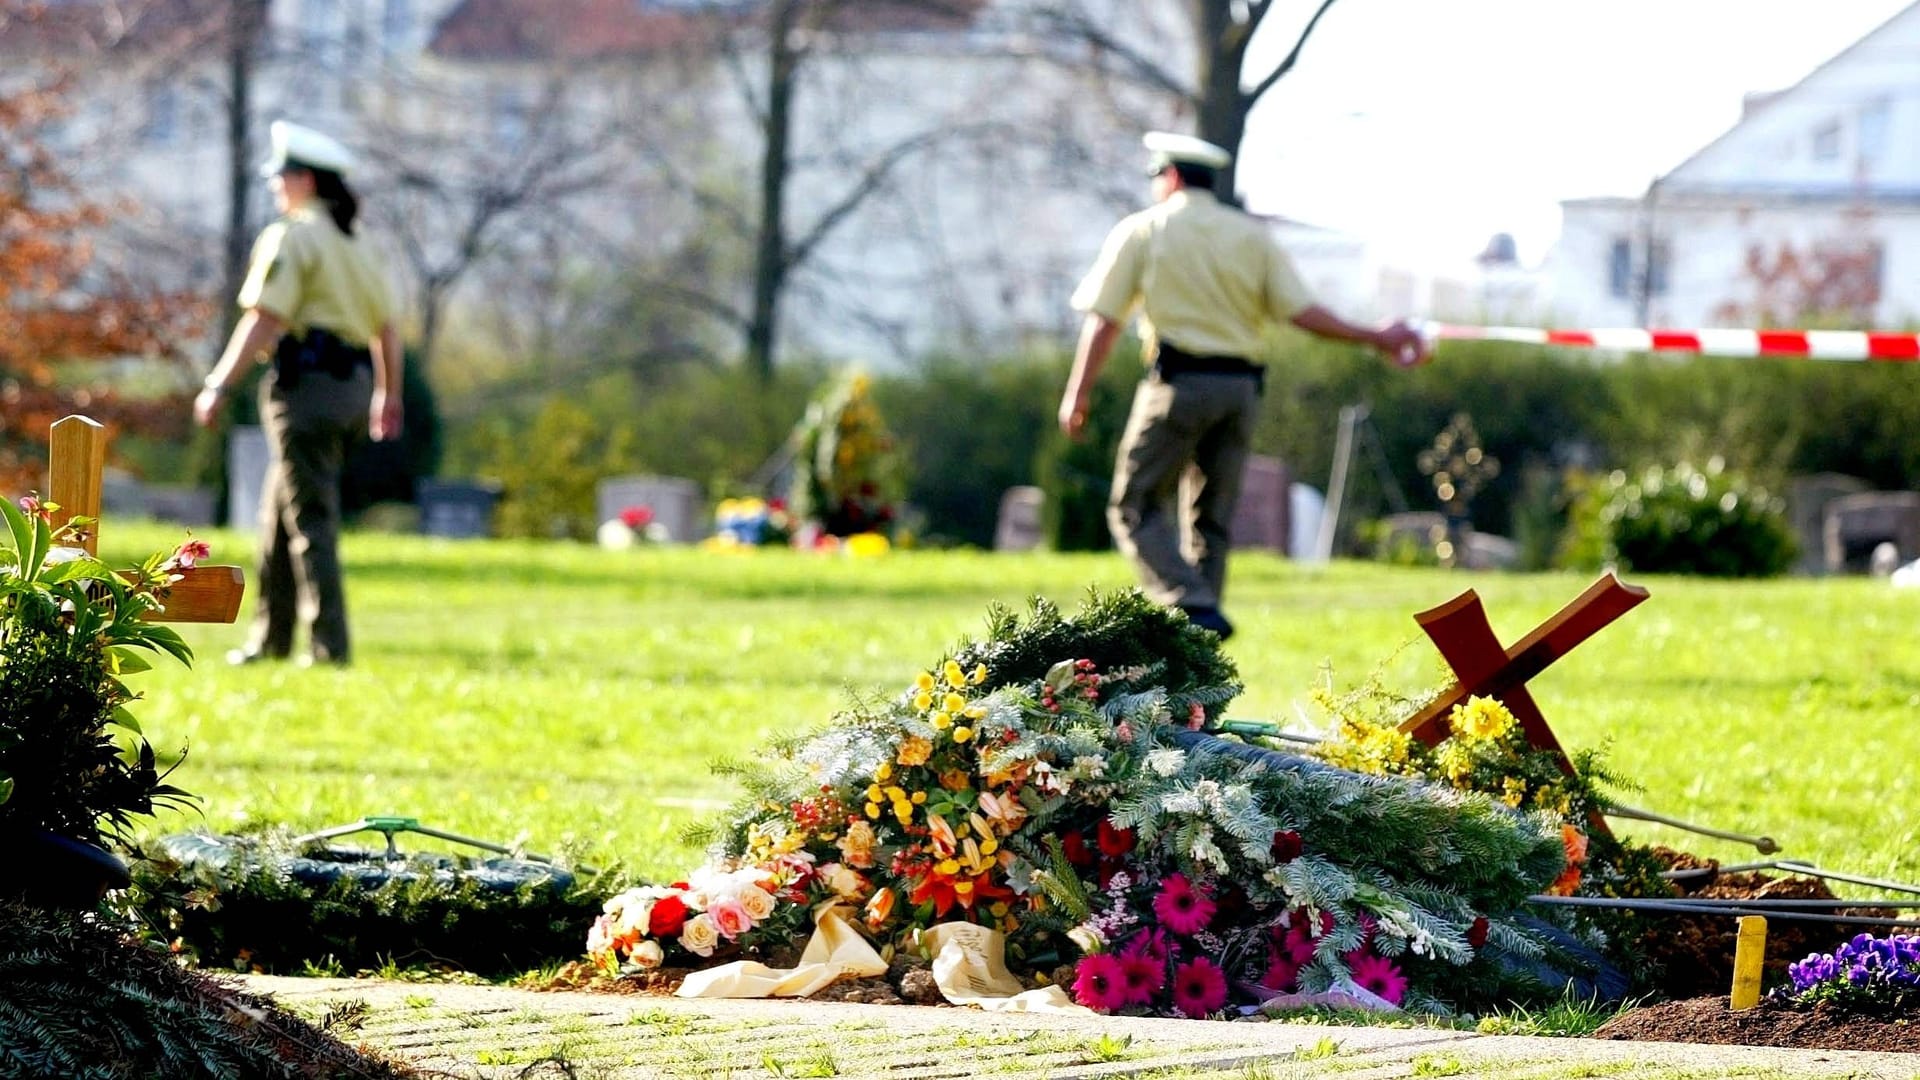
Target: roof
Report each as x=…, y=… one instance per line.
x=78, y=27
x=597, y=29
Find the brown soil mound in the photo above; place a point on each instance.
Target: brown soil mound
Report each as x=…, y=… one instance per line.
x=1708, y=1020
x=1694, y=953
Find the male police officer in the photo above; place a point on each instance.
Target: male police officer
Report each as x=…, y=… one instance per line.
x=1206, y=280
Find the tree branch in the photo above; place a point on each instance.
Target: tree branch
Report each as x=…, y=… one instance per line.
x=1080, y=26
x=1293, y=57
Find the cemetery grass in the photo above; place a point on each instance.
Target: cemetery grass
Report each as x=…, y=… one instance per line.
x=573, y=699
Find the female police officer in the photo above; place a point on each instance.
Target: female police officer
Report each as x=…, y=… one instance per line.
x=317, y=304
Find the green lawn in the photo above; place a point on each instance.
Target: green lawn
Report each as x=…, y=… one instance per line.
x=572, y=696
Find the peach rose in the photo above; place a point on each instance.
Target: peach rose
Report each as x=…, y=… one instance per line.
x=648, y=954
x=857, y=846
x=730, y=918
x=757, y=903
x=699, y=936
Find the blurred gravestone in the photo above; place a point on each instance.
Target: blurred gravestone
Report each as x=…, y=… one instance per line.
x=1306, y=506
x=1260, y=518
x=1807, y=499
x=1856, y=524
x=455, y=508
x=1018, y=527
x=180, y=504
x=247, y=455
x=675, y=503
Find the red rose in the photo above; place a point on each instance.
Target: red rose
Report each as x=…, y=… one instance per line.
x=669, y=915
x=1115, y=842
x=1477, y=933
x=1075, y=846
x=1287, y=846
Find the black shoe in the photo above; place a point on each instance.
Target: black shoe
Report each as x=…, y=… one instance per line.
x=1209, y=618
x=243, y=657
x=310, y=660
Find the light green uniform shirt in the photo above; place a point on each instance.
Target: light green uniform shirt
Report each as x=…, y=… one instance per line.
x=306, y=272
x=1202, y=276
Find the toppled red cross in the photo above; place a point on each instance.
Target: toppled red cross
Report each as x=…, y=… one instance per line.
x=1460, y=629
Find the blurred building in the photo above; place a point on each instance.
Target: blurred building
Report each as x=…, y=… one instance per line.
x=955, y=163
x=1807, y=210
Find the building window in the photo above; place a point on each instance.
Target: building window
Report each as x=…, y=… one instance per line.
x=316, y=26
x=162, y=125
x=1624, y=270
x=1620, y=268
x=1871, y=136
x=396, y=25
x=1826, y=141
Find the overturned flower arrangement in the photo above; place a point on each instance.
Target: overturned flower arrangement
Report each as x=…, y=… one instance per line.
x=1032, y=784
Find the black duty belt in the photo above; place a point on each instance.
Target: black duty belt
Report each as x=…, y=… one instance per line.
x=317, y=352
x=1173, y=361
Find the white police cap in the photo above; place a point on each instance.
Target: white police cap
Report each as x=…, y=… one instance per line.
x=293, y=144
x=1169, y=148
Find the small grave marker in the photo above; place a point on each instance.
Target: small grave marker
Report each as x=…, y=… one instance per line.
x=77, y=453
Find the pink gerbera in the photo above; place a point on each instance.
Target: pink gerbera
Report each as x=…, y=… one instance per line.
x=1282, y=974
x=1199, y=988
x=1143, y=977
x=1182, y=908
x=1100, y=983
x=1380, y=975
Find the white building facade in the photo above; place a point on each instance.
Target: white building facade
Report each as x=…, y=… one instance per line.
x=1807, y=210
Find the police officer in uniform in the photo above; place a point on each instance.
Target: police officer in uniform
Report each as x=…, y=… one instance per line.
x=1206, y=281
x=318, y=308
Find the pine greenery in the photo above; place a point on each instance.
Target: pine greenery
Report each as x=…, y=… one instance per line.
x=79, y=1000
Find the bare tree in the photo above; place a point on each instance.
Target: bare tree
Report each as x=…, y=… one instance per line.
x=452, y=197
x=795, y=30
x=1218, y=89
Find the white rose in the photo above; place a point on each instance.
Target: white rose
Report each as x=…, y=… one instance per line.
x=757, y=902
x=699, y=935
x=648, y=954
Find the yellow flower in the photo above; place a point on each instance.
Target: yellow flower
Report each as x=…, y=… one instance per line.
x=963, y=887
x=962, y=734
x=873, y=810
x=953, y=703
x=1513, y=791
x=914, y=750
x=1480, y=718
x=874, y=793
x=947, y=867
x=923, y=681
x=941, y=721
x=955, y=677
x=979, y=674
x=974, y=712
x=923, y=701
x=903, y=811
x=884, y=772
x=919, y=798
x=897, y=793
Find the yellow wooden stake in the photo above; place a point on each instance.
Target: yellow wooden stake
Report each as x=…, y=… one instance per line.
x=77, y=452
x=1749, y=954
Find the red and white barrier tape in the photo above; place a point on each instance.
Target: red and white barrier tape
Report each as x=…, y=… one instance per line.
x=1805, y=344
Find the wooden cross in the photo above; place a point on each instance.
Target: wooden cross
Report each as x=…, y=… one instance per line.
x=77, y=455
x=1459, y=628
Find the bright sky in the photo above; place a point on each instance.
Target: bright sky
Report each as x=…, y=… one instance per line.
x=1429, y=125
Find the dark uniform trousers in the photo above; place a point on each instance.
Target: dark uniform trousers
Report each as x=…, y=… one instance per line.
x=309, y=428
x=1188, y=437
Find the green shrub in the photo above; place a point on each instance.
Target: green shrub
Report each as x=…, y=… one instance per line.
x=1681, y=520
